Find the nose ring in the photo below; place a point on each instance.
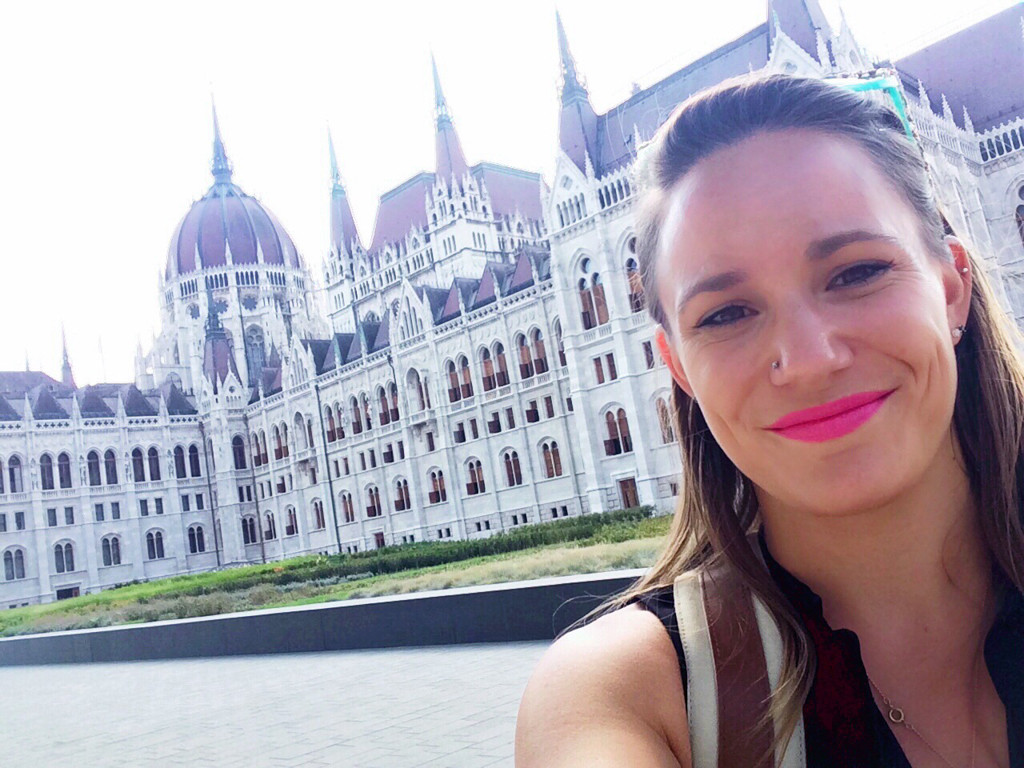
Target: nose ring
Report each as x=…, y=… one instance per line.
x=776, y=365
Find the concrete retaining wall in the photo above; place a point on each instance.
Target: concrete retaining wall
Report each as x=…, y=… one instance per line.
x=517, y=611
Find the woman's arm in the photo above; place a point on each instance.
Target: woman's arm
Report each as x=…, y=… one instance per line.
x=607, y=694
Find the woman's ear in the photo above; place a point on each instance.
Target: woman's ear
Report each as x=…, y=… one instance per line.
x=671, y=360
x=957, y=283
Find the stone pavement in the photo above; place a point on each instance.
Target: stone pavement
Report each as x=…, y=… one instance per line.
x=443, y=707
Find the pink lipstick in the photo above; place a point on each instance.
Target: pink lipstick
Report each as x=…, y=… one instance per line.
x=831, y=420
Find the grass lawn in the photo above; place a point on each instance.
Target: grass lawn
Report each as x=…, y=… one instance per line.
x=617, y=545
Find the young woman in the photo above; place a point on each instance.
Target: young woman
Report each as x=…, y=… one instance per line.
x=849, y=403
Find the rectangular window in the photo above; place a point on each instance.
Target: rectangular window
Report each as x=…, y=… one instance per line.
x=362, y=460
x=69, y=515
x=51, y=517
x=345, y=462
x=144, y=507
x=565, y=511
x=115, y=510
x=3, y=523
x=568, y=404
x=248, y=493
x=200, y=502
x=373, y=458
x=549, y=407
x=648, y=355
x=473, y=429
x=241, y=494
x=598, y=370
x=487, y=525
x=19, y=521
x=510, y=417
x=159, y=506
x=515, y=519
x=337, y=469
x=98, y=512
x=185, y=503
x=612, y=373
x=401, y=449
x=479, y=527
x=430, y=441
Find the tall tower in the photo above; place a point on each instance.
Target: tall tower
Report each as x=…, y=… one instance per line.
x=66, y=376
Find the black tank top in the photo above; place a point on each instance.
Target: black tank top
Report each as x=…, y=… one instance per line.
x=843, y=727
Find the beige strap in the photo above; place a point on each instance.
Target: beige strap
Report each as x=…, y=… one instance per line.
x=701, y=684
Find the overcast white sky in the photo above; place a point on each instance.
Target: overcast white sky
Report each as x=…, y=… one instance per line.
x=105, y=131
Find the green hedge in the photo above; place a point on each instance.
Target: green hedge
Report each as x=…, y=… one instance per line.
x=607, y=526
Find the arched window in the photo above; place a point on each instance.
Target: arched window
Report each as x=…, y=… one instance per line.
x=525, y=358
x=249, y=530
x=438, y=493
x=357, y=416
x=196, y=539
x=331, y=427
x=454, y=394
x=154, y=464
x=1020, y=220
x=14, y=564
x=373, y=508
x=600, y=304
x=238, y=451
x=366, y=410
x=138, y=466
x=635, y=286
x=552, y=459
x=513, y=473
x=269, y=527
x=278, y=451
x=154, y=545
x=179, y=463
x=475, y=484
x=384, y=417
x=193, y=461
x=111, y=548
x=291, y=526
x=284, y=440
x=587, y=315
x=487, y=369
x=618, y=440
x=347, y=508
x=402, y=502
x=92, y=463
x=559, y=343
x=665, y=421
x=64, y=470
x=110, y=467
x=540, y=355
x=393, y=401
x=17, y=483
x=64, y=558
x=500, y=365
x=45, y=472
x=318, y=515
x=467, y=377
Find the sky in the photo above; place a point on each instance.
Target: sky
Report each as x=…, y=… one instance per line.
x=105, y=125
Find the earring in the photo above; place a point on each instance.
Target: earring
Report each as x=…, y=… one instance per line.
x=959, y=331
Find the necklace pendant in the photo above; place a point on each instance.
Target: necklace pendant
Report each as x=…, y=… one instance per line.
x=896, y=715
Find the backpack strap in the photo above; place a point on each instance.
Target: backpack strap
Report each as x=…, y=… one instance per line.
x=733, y=658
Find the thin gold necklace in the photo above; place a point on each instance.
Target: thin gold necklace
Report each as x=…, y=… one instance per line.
x=896, y=715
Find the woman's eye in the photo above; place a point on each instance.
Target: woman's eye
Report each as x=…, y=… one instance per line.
x=724, y=316
x=859, y=273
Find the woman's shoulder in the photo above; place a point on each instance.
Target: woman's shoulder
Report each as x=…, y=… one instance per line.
x=608, y=693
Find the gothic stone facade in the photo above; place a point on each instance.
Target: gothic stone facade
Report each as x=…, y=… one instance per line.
x=483, y=362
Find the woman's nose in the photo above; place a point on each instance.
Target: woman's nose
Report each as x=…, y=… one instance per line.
x=808, y=345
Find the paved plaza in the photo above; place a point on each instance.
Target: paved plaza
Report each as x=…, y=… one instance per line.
x=444, y=707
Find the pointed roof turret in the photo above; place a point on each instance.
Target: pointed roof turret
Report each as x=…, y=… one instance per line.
x=218, y=357
x=451, y=162
x=577, y=123
x=343, y=225
x=66, y=376
x=221, y=166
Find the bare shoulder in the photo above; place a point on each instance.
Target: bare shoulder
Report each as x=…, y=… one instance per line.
x=607, y=694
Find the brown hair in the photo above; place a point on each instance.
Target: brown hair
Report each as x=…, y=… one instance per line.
x=717, y=509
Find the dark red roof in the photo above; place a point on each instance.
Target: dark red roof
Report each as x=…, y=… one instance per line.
x=511, y=189
x=980, y=67
x=228, y=220
x=401, y=209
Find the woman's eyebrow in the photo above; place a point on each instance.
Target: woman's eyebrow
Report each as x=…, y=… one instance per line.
x=723, y=281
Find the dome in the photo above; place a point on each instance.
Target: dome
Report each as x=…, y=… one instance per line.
x=228, y=227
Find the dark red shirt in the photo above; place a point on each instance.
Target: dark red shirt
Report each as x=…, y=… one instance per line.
x=842, y=725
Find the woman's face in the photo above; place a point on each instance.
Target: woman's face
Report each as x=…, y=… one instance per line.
x=792, y=247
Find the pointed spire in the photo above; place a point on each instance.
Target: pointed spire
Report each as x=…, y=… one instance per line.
x=67, y=377
x=335, y=173
x=572, y=86
x=221, y=167
x=450, y=160
x=343, y=225
x=947, y=112
x=968, y=123
x=922, y=94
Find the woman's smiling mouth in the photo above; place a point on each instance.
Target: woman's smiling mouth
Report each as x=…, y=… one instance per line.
x=831, y=420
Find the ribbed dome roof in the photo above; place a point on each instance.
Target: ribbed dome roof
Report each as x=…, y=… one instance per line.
x=227, y=226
